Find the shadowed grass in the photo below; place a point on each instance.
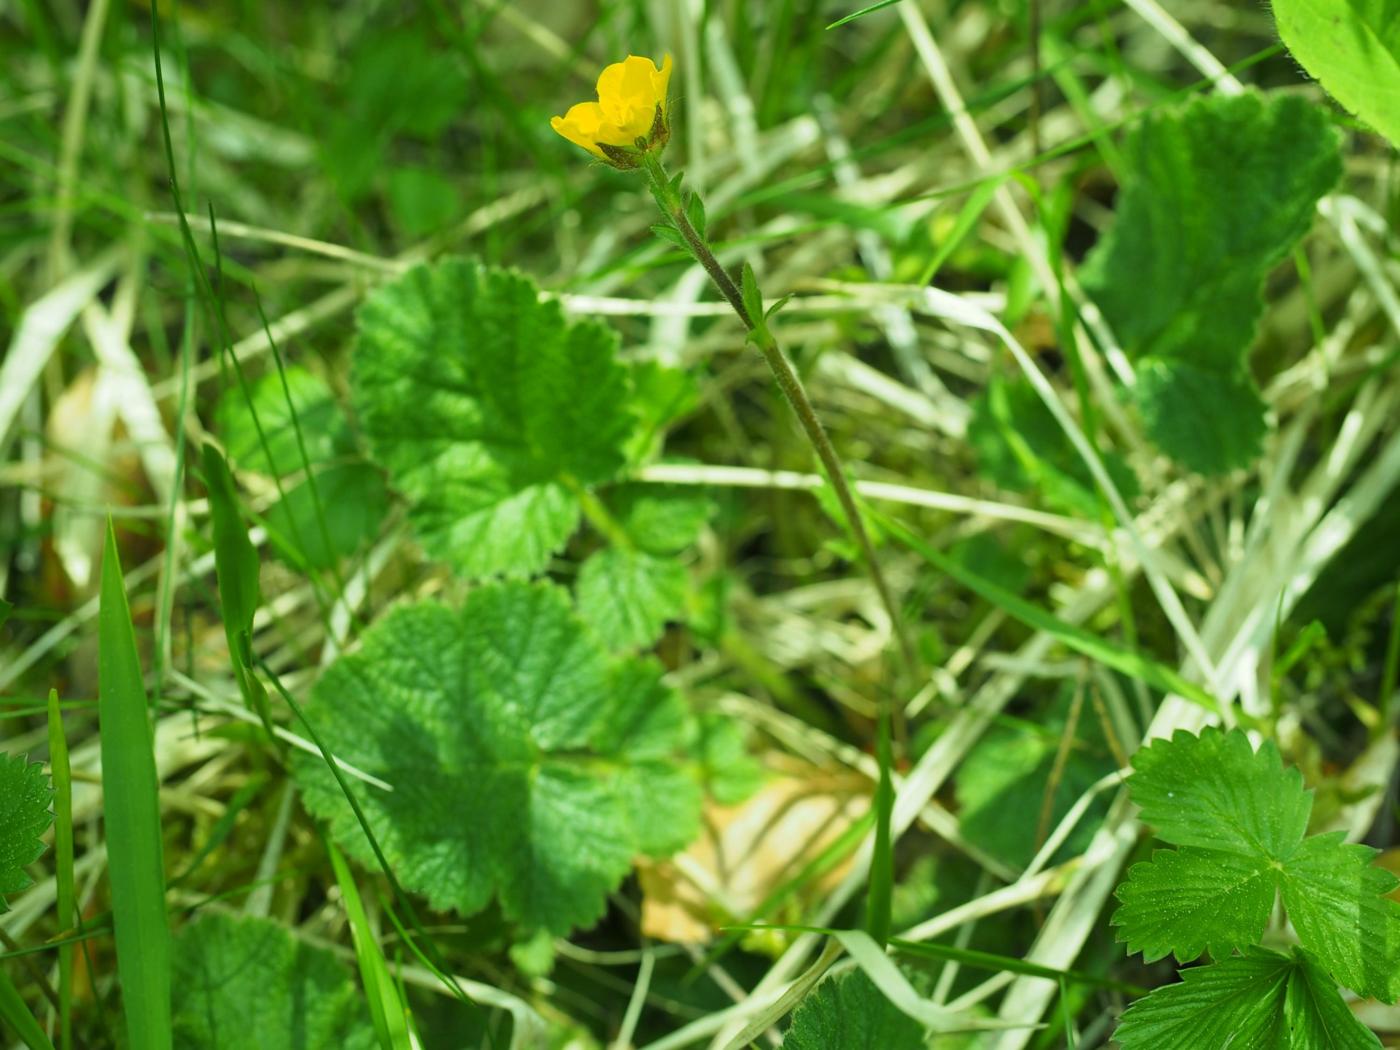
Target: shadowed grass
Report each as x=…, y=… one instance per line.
x=17, y=1016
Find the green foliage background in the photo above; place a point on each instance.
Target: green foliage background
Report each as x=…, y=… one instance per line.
x=421, y=450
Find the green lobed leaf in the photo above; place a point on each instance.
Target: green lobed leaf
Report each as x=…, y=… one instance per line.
x=422, y=200
x=627, y=596
x=1336, y=899
x=25, y=798
x=1211, y=421
x=1186, y=901
x=1261, y=1000
x=1316, y=1014
x=986, y=554
x=661, y=395
x=1240, y=819
x=321, y=420
x=849, y=1013
x=659, y=519
x=730, y=773
x=488, y=409
x=1235, y=1002
x=1216, y=792
x=1001, y=785
x=1216, y=194
x=526, y=766
x=647, y=722
x=1353, y=48
x=352, y=499
x=246, y=983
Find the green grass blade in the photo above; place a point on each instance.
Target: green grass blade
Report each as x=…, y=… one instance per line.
x=1129, y=662
x=1004, y=963
x=969, y=957
x=5, y=610
x=63, y=863
x=879, y=903
x=17, y=1016
x=235, y=560
x=862, y=12
x=967, y=219
x=131, y=814
x=386, y=1008
x=306, y=465
x=438, y=966
x=236, y=567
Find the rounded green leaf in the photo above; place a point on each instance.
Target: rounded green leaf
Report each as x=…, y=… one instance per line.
x=1215, y=194
x=248, y=984
x=488, y=409
x=525, y=765
x=627, y=596
x=352, y=504
x=305, y=404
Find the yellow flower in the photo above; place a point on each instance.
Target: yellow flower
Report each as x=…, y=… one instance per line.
x=631, y=105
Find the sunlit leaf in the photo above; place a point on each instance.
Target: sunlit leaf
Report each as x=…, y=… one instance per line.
x=488, y=409
x=1215, y=195
x=526, y=766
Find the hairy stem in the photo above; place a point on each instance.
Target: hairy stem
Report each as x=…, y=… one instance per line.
x=790, y=385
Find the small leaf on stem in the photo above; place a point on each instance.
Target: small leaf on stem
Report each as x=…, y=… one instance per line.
x=753, y=298
x=695, y=212
x=670, y=235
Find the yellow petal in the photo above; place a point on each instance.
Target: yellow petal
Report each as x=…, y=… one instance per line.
x=581, y=126
x=610, y=85
x=661, y=83
x=614, y=135
x=628, y=93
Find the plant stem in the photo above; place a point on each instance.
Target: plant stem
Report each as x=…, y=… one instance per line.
x=789, y=383
x=597, y=515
